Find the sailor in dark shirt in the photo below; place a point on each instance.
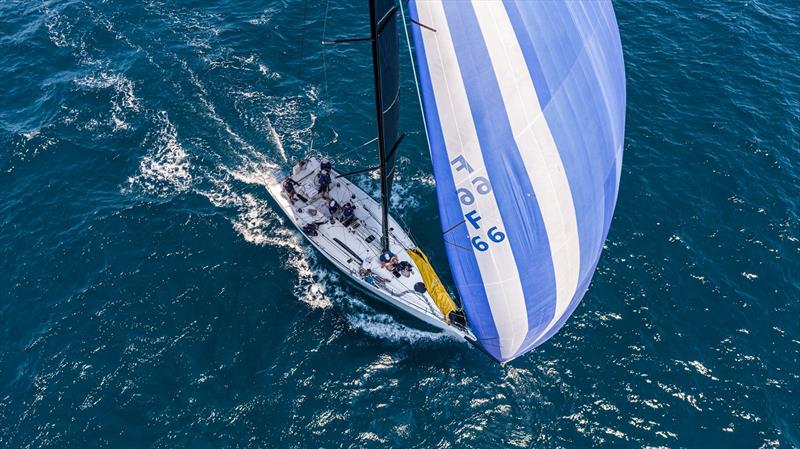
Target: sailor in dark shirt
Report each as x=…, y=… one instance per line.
x=325, y=164
x=288, y=187
x=402, y=268
x=333, y=208
x=457, y=318
x=348, y=213
x=324, y=181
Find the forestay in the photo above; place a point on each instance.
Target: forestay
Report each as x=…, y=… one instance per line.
x=524, y=104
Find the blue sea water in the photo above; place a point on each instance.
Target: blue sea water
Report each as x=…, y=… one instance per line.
x=151, y=294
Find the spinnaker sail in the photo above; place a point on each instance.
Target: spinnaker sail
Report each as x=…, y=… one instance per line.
x=524, y=104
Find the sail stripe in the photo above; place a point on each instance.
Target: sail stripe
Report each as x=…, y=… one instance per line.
x=538, y=151
x=531, y=60
x=463, y=264
x=463, y=145
x=578, y=45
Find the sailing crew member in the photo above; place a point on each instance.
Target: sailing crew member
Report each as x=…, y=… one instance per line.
x=333, y=208
x=325, y=164
x=288, y=187
x=388, y=260
x=312, y=228
x=299, y=167
x=369, y=271
x=402, y=268
x=348, y=213
x=324, y=181
x=457, y=318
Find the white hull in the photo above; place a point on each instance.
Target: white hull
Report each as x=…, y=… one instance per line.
x=347, y=247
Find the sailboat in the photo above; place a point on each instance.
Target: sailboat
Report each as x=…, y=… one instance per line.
x=523, y=104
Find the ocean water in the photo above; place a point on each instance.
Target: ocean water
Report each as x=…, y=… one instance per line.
x=152, y=296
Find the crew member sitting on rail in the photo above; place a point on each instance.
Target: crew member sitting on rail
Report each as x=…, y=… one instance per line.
x=288, y=187
x=324, y=181
x=325, y=164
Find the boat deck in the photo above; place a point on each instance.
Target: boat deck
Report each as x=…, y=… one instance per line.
x=356, y=244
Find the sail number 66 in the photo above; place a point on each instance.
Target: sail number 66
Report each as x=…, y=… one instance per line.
x=493, y=234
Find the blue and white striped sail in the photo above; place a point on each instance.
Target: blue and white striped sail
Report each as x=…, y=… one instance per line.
x=524, y=103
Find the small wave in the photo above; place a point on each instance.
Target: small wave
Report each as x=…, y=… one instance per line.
x=256, y=171
x=262, y=19
x=384, y=327
x=123, y=99
x=285, y=120
x=29, y=144
x=253, y=223
x=276, y=140
x=264, y=70
x=165, y=170
x=221, y=194
x=58, y=30
x=260, y=225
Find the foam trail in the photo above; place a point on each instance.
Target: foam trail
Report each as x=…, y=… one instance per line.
x=215, y=116
x=276, y=140
x=165, y=170
x=384, y=327
x=124, y=98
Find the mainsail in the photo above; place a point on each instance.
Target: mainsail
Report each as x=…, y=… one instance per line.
x=524, y=104
x=386, y=64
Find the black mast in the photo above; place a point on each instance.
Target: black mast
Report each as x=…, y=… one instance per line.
x=376, y=69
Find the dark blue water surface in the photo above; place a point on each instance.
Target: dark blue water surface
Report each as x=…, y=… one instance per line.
x=151, y=294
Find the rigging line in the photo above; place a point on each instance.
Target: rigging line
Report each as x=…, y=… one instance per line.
x=368, y=142
x=457, y=245
x=324, y=50
x=303, y=39
x=453, y=227
x=416, y=81
x=344, y=153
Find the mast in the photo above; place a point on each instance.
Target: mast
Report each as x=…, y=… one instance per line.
x=376, y=69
